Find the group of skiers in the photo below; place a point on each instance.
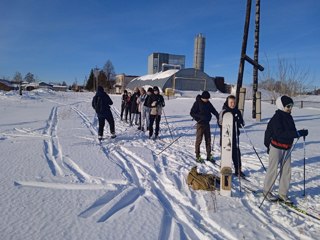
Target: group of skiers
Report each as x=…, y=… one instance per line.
x=201, y=112
x=143, y=108
x=278, y=139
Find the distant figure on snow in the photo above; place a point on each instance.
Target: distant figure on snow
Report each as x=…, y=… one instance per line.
x=156, y=103
x=123, y=102
x=101, y=103
x=134, y=107
x=141, y=100
x=201, y=112
x=128, y=107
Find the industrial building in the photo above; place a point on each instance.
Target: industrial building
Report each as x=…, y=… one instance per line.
x=159, y=62
x=188, y=79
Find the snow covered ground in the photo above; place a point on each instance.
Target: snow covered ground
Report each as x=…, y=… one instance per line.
x=57, y=182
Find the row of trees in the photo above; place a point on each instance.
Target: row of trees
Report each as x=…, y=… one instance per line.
x=105, y=77
x=30, y=78
x=288, y=78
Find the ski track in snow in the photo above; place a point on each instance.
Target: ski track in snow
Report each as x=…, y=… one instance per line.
x=60, y=165
x=162, y=178
x=155, y=180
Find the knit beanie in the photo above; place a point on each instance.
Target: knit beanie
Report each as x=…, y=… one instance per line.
x=205, y=95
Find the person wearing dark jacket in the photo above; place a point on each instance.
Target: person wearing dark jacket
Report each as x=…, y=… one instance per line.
x=147, y=108
x=101, y=103
x=201, y=112
x=230, y=106
x=123, y=103
x=134, y=107
x=155, y=102
x=279, y=136
x=128, y=108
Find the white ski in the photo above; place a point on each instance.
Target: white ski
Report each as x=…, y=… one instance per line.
x=226, y=155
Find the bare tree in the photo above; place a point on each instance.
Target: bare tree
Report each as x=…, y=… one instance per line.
x=29, y=77
x=108, y=70
x=289, y=78
x=17, y=77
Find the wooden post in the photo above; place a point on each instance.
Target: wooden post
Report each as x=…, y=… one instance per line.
x=242, y=98
x=301, y=104
x=20, y=88
x=258, y=106
x=243, y=49
x=256, y=59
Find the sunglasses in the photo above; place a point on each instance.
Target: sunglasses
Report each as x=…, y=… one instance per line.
x=289, y=106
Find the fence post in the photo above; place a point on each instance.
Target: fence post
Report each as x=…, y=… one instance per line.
x=242, y=98
x=258, y=106
x=301, y=104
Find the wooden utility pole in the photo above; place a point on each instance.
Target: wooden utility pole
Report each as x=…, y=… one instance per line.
x=243, y=49
x=256, y=59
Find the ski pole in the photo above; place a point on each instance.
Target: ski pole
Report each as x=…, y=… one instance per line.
x=167, y=123
x=238, y=155
x=283, y=163
x=172, y=143
x=169, y=145
x=304, y=165
x=253, y=147
x=214, y=138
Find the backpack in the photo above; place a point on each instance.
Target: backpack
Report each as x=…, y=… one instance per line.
x=97, y=104
x=199, y=181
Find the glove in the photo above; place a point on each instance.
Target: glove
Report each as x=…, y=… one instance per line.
x=303, y=133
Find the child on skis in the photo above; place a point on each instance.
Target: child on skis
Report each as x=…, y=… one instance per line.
x=230, y=106
x=279, y=136
x=201, y=112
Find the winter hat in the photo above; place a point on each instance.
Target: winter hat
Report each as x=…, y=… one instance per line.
x=155, y=88
x=125, y=91
x=150, y=89
x=283, y=101
x=205, y=95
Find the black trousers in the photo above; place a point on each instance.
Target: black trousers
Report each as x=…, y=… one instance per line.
x=236, y=159
x=102, y=120
x=153, y=118
x=127, y=112
x=122, y=110
x=203, y=130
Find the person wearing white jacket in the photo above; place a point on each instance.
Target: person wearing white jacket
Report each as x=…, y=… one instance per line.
x=141, y=108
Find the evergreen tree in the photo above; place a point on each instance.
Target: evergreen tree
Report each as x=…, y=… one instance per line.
x=90, y=83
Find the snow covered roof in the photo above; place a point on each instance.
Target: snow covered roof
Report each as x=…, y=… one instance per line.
x=181, y=79
x=159, y=75
x=6, y=82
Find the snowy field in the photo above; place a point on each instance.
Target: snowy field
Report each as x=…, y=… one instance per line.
x=57, y=182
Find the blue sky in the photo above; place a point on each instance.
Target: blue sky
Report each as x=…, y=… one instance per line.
x=61, y=40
